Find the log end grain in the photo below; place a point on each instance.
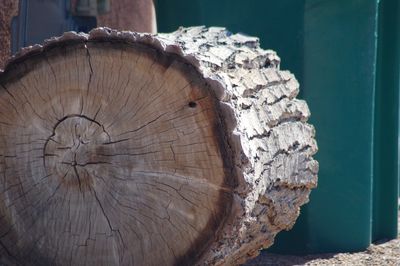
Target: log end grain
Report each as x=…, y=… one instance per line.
x=129, y=148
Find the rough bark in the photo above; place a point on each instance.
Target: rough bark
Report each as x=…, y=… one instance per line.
x=8, y=9
x=120, y=148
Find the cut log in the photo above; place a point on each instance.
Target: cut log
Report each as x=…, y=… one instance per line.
x=120, y=148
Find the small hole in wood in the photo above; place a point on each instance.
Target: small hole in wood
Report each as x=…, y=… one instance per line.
x=192, y=104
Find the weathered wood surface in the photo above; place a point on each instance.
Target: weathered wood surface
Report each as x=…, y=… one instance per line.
x=8, y=9
x=119, y=148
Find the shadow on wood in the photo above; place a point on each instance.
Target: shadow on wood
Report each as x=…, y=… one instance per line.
x=119, y=148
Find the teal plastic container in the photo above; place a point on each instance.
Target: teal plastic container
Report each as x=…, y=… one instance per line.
x=345, y=54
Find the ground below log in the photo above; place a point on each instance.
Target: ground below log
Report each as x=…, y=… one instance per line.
x=381, y=253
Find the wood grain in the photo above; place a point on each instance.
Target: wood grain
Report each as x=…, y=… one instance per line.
x=120, y=148
x=109, y=154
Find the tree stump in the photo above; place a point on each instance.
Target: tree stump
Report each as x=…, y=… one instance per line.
x=120, y=148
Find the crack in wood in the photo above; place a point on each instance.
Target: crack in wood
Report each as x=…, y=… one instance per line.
x=176, y=150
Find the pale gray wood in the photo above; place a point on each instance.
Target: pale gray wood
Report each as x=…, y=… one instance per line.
x=119, y=148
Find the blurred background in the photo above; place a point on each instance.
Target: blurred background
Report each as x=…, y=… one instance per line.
x=345, y=54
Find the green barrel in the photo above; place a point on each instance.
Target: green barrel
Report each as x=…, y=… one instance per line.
x=386, y=138
x=345, y=54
